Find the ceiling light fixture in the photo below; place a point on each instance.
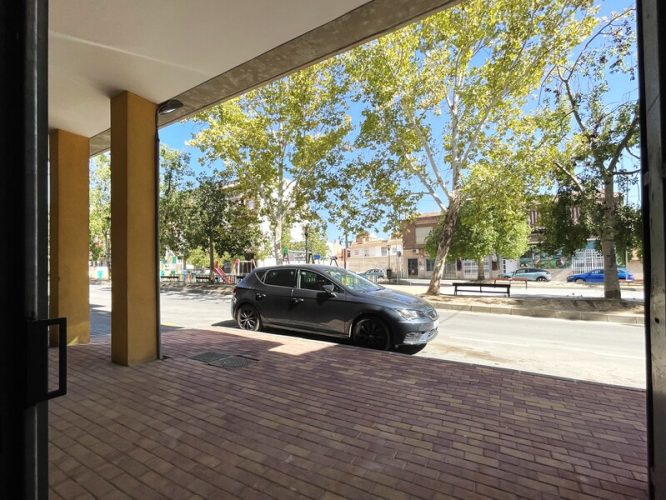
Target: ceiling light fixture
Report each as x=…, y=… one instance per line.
x=169, y=106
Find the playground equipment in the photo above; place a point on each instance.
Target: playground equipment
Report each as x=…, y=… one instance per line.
x=241, y=268
x=221, y=276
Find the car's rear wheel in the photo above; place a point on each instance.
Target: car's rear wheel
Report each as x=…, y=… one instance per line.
x=580, y=280
x=371, y=332
x=541, y=278
x=248, y=318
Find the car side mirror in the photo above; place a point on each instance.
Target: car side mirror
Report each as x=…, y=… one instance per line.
x=330, y=290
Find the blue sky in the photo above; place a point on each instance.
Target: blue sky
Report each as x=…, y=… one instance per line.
x=176, y=135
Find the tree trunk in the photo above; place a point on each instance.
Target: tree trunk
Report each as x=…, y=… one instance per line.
x=277, y=242
x=611, y=282
x=211, y=257
x=450, y=218
x=481, y=269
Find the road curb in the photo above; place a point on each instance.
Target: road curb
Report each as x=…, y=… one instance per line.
x=633, y=319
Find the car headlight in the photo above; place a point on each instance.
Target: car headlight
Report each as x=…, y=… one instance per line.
x=409, y=313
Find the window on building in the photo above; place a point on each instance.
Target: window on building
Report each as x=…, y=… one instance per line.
x=384, y=251
x=430, y=264
x=422, y=233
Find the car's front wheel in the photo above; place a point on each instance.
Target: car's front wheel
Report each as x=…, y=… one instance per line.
x=248, y=318
x=373, y=333
x=541, y=278
x=580, y=281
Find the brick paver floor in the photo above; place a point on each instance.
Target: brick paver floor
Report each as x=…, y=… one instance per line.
x=319, y=420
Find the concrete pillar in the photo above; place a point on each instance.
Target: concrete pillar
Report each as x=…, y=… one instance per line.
x=69, y=234
x=133, y=296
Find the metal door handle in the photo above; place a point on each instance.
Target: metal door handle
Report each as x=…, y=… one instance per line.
x=38, y=342
x=296, y=301
x=260, y=296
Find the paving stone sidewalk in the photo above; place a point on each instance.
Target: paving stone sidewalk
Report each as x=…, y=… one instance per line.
x=306, y=419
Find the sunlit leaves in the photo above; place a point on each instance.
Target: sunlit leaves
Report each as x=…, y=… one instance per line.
x=281, y=142
x=446, y=94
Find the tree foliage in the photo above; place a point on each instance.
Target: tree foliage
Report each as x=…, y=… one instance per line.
x=446, y=94
x=492, y=219
x=317, y=243
x=100, y=208
x=175, y=191
x=280, y=143
x=219, y=220
x=599, y=136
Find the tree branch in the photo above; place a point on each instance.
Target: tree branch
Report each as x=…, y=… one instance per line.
x=623, y=145
x=572, y=176
x=627, y=172
x=426, y=147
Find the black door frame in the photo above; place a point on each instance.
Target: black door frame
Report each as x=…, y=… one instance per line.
x=652, y=67
x=24, y=248
x=23, y=219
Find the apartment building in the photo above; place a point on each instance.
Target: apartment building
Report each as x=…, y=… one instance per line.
x=369, y=252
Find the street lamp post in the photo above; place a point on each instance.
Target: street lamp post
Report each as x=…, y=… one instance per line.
x=107, y=244
x=346, y=246
x=389, y=259
x=306, y=231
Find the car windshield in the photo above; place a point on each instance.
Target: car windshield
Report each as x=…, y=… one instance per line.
x=352, y=281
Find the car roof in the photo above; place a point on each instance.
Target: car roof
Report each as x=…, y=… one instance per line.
x=313, y=267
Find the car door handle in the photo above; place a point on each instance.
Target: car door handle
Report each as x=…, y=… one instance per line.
x=260, y=296
x=296, y=300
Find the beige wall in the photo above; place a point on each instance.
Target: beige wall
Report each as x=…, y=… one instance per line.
x=134, y=295
x=69, y=234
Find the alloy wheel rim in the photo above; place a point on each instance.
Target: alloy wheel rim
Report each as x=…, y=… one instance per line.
x=372, y=334
x=247, y=319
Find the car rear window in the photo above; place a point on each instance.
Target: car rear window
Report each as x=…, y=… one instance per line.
x=281, y=277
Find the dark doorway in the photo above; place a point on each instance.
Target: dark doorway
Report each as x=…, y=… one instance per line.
x=413, y=267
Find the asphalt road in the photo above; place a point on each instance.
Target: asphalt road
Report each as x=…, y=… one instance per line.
x=595, y=351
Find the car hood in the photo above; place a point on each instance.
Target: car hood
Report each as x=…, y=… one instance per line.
x=399, y=300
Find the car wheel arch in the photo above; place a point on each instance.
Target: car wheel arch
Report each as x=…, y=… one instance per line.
x=247, y=302
x=370, y=314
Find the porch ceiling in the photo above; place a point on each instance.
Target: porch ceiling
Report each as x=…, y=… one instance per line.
x=200, y=51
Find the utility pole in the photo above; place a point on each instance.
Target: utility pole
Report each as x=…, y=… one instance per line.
x=345, y=250
x=306, y=230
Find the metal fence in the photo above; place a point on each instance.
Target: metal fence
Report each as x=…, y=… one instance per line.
x=586, y=260
x=471, y=269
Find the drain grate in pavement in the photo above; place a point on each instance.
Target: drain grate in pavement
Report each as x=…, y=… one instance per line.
x=207, y=357
x=231, y=362
x=224, y=360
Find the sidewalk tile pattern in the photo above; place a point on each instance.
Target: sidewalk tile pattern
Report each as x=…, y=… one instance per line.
x=310, y=419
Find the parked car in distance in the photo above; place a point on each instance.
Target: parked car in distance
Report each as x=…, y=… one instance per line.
x=327, y=300
x=528, y=273
x=597, y=276
x=376, y=273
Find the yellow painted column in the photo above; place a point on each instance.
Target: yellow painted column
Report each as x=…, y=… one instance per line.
x=69, y=157
x=133, y=294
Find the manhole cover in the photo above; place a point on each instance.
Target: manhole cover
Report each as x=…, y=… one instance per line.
x=207, y=357
x=231, y=362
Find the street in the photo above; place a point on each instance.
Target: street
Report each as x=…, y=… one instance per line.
x=596, y=351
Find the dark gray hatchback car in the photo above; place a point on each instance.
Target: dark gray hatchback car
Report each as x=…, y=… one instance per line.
x=332, y=301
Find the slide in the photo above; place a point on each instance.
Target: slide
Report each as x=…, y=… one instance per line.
x=224, y=278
